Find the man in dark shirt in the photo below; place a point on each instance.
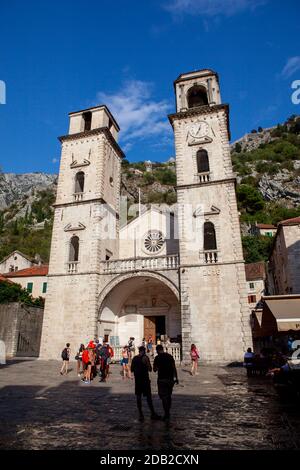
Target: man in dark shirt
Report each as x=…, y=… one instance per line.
x=164, y=365
x=141, y=367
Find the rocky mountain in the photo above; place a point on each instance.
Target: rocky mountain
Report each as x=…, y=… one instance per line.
x=15, y=188
x=269, y=160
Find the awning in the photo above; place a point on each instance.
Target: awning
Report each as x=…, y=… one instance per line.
x=286, y=313
x=256, y=320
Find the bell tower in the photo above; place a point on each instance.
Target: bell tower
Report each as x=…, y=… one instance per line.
x=87, y=203
x=214, y=309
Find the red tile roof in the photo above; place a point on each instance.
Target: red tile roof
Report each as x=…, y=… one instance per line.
x=293, y=221
x=255, y=271
x=3, y=279
x=41, y=270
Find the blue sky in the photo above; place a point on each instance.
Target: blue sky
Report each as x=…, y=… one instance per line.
x=61, y=56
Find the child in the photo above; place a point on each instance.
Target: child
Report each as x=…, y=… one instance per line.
x=194, y=358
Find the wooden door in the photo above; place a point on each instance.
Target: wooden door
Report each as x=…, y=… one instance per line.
x=149, y=328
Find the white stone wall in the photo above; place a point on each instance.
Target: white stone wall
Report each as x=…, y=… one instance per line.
x=72, y=298
x=215, y=311
x=132, y=236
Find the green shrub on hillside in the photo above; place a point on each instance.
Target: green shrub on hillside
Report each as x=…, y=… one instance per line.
x=249, y=199
x=256, y=248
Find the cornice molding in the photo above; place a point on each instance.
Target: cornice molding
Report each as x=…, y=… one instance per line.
x=200, y=111
x=99, y=131
x=207, y=183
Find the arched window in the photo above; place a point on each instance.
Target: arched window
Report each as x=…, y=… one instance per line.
x=79, y=182
x=210, y=242
x=197, y=96
x=74, y=249
x=202, y=161
x=87, y=119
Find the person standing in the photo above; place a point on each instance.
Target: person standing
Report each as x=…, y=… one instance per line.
x=131, y=349
x=141, y=367
x=194, y=358
x=124, y=363
x=110, y=355
x=78, y=358
x=249, y=361
x=164, y=365
x=104, y=356
x=65, y=355
x=150, y=345
x=85, y=362
x=90, y=363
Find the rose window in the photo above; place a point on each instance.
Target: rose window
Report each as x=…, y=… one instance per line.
x=154, y=241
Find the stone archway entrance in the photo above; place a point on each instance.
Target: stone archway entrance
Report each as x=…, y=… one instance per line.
x=139, y=306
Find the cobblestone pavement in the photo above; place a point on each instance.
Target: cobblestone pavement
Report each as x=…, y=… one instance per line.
x=218, y=409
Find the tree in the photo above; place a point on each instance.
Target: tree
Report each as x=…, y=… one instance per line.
x=11, y=292
x=238, y=147
x=249, y=198
x=256, y=248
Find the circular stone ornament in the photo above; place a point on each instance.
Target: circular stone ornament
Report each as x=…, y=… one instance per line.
x=154, y=241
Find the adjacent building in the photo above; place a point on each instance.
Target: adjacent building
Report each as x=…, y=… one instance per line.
x=256, y=278
x=33, y=279
x=17, y=261
x=284, y=261
x=266, y=230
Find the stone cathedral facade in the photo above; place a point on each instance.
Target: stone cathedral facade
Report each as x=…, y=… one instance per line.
x=176, y=272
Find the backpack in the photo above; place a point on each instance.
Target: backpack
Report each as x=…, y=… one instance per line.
x=64, y=354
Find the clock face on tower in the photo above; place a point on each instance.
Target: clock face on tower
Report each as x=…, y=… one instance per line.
x=198, y=132
x=199, y=129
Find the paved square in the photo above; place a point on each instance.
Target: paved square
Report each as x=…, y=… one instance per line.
x=218, y=409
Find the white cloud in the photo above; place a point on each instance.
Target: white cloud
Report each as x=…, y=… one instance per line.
x=292, y=65
x=212, y=7
x=139, y=115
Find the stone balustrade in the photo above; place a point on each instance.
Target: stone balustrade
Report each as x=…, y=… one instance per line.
x=137, y=264
x=78, y=197
x=173, y=348
x=204, y=177
x=72, y=267
x=209, y=256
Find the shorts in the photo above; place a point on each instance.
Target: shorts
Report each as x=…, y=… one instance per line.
x=124, y=362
